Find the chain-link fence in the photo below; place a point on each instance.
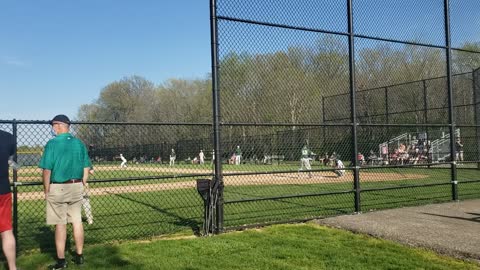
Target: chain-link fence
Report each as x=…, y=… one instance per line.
x=390, y=89
x=152, y=193
x=320, y=108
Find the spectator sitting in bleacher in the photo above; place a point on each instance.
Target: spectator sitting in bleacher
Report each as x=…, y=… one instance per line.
x=371, y=158
x=402, y=154
x=413, y=154
x=232, y=159
x=360, y=159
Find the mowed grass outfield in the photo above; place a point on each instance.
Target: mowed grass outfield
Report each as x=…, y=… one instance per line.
x=280, y=247
x=160, y=211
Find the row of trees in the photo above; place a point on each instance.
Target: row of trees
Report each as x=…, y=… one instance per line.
x=286, y=86
x=283, y=86
x=135, y=99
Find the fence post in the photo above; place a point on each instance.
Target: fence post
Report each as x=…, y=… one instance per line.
x=351, y=66
x=451, y=116
x=323, y=121
x=476, y=102
x=425, y=107
x=387, y=119
x=15, y=179
x=216, y=117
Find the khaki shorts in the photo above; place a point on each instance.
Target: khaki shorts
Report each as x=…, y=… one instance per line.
x=64, y=203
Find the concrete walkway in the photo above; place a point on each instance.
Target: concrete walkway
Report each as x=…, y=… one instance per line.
x=450, y=228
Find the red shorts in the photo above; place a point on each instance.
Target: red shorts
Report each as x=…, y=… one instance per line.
x=5, y=212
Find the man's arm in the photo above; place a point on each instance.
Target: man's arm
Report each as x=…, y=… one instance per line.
x=86, y=170
x=46, y=181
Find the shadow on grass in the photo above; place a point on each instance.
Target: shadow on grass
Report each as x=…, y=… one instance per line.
x=45, y=239
x=107, y=257
x=474, y=219
x=195, y=225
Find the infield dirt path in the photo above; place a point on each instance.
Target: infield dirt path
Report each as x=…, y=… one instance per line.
x=242, y=180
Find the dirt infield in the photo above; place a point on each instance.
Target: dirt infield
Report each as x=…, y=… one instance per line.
x=244, y=180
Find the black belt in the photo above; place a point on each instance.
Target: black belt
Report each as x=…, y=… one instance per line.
x=71, y=181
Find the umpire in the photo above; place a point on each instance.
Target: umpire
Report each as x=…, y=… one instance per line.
x=65, y=165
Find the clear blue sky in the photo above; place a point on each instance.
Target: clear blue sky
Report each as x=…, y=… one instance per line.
x=56, y=55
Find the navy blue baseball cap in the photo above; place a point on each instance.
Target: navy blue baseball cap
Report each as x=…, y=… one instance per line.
x=61, y=118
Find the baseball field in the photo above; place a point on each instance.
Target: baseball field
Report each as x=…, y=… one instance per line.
x=145, y=200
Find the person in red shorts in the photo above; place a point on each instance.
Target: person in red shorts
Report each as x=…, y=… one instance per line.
x=7, y=150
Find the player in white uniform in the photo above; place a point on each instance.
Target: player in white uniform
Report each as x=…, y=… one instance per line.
x=173, y=156
x=305, y=160
x=87, y=207
x=201, y=156
x=340, y=168
x=238, y=155
x=124, y=161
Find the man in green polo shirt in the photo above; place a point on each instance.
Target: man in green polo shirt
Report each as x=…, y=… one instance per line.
x=65, y=165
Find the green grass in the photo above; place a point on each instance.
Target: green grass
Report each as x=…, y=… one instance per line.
x=148, y=214
x=283, y=247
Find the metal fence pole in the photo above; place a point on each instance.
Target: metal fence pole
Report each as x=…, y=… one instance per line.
x=351, y=66
x=15, y=191
x=425, y=105
x=476, y=109
x=451, y=116
x=387, y=119
x=216, y=116
x=323, y=121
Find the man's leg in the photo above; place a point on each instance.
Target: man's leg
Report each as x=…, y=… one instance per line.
x=60, y=240
x=78, y=236
x=8, y=245
x=309, y=168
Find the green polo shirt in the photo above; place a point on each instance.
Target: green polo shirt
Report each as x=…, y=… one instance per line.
x=66, y=156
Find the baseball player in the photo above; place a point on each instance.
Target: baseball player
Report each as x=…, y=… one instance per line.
x=238, y=155
x=201, y=156
x=305, y=160
x=340, y=168
x=173, y=156
x=87, y=207
x=458, y=150
x=124, y=161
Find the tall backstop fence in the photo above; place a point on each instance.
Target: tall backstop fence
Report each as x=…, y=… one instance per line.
x=389, y=88
x=320, y=108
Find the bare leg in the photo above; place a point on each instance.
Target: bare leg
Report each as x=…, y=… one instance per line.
x=8, y=245
x=60, y=239
x=78, y=236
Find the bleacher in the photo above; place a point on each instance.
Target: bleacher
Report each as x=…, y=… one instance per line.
x=439, y=147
